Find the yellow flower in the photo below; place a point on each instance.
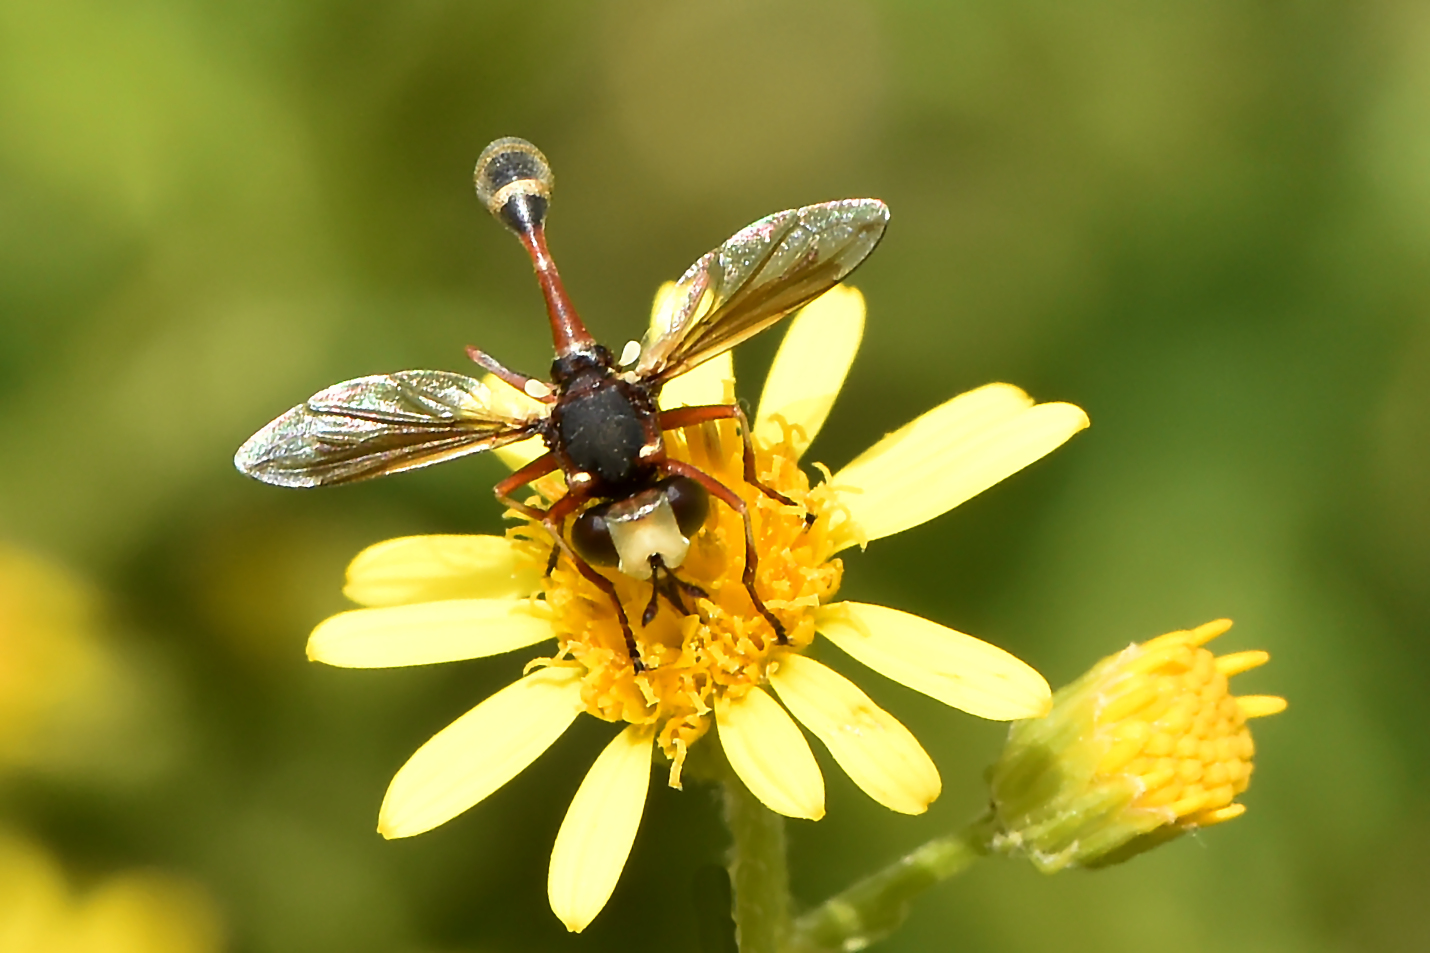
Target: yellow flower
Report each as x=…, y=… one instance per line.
x=62, y=690
x=1147, y=745
x=144, y=910
x=444, y=598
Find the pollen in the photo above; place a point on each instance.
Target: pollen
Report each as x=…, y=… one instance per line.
x=720, y=647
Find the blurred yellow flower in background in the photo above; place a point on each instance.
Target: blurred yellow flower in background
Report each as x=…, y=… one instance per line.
x=446, y=598
x=62, y=692
x=1147, y=745
x=140, y=911
x=66, y=700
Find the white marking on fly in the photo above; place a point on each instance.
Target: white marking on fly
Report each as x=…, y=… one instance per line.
x=645, y=530
x=630, y=353
x=535, y=389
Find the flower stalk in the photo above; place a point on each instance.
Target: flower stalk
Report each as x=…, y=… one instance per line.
x=759, y=870
x=874, y=907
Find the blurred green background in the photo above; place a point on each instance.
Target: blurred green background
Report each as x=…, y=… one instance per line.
x=1207, y=223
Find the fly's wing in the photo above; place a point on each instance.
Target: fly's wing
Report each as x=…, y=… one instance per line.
x=764, y=272
x=373, y=426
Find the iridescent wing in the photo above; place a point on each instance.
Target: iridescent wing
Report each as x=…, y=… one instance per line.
x=764, y=272
x=373, y=426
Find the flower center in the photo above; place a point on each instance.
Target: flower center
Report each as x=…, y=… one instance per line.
x=721, y=645
x=1174, y=726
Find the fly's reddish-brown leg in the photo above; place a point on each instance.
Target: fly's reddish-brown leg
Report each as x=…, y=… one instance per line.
x=752, y=560
x=553, y=518
x=535, y=470
x=529, y=386
x=694, y=416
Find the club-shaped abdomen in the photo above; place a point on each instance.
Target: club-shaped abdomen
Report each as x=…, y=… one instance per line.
x=656, y=522
x=514, y=182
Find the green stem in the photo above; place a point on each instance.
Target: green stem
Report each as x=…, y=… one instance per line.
x=875, y=906
x=759, y=871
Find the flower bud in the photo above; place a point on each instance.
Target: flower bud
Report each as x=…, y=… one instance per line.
x=1148, y=744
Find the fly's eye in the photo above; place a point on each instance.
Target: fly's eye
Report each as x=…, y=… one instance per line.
x=689, y=501
x=514, y=182
x=591, y=536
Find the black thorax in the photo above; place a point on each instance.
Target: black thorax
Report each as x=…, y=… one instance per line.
x=599, y=425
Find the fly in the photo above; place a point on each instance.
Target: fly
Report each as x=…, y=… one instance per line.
x=630, y=505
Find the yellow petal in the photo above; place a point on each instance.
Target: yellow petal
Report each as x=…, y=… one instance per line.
x=427, y=568
x=768, y=752
x=874, y=749
x=957, y=669
x=516, y=403
x=711, y=383
x=952, y=453
x=600, y=826
x=1259, y=706
x=1238, y=662
x=510, y=401
x=479, y=752
x=660, y=303
x=428, y=632
x=519, y=454
x=810, y=367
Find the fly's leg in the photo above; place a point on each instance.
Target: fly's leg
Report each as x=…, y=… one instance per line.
x=693, y=416
x=671, y=586
x=553, y=519
x=530, y=386
x=731, y=499
x=653, y=606
x=535, y=470
x=676, y=585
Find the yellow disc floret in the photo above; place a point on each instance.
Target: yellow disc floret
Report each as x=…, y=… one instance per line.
x=722, y=646
x=1148, y=744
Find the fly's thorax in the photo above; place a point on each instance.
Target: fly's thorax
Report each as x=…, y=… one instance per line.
x=582, y=368
x=605, y=427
